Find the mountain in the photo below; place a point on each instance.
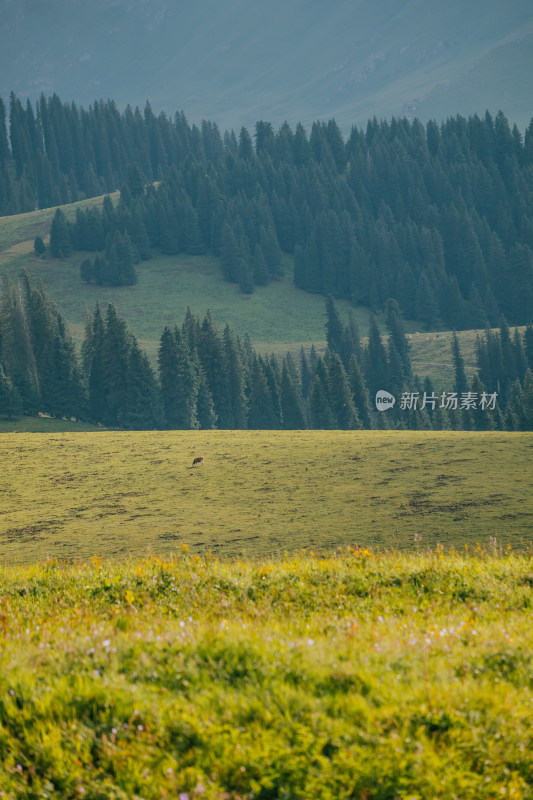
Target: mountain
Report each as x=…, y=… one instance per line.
x=240, y=61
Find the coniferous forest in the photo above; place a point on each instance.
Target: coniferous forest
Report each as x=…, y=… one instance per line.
x=438, y=218
x=206, y=378
x=433, y=223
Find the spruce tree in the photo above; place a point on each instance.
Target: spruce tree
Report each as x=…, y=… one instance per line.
x=375, y=360
x=10, y=400
x=482, y=418
x=168, y=378
x=234, y=368
x=93, y=354
x=261, y=413
x=359, y=392
x=60, y=236
x=17, y=355
x=178, y=378
x=39, y=247
x=291, y=407
x=205, y=408
x=142, y=407
x=334, y=327
x=461, y=383
x=320, y=414
x=210, y=351
x=340, y=397
x=115, y=357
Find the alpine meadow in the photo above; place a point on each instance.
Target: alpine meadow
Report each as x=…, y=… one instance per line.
x=266, y=400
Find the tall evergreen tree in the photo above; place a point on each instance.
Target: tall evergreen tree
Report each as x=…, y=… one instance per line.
x=142, y=407
x=60, y=236
x=320, y=414
x=291, y=406
x=359, y=392
x=375, y=360
x=461, y=383
x=10, y=400
x=340, y=398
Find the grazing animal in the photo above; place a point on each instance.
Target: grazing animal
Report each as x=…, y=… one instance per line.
x=197, y=461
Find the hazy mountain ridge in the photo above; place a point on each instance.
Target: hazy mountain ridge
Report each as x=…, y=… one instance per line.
x=299, y=61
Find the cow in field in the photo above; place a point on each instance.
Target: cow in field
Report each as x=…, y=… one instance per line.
x=197, y=461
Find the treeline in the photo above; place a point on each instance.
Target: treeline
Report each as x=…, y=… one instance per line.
x=210, y=379
x=438, y=217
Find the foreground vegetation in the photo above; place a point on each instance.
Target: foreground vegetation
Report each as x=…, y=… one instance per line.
x=355, y=675
x=260, y=493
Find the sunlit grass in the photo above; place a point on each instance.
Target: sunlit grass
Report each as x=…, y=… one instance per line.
x=356, y=674
x=260, y=493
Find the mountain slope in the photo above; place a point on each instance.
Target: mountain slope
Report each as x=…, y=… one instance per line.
x=238, y=62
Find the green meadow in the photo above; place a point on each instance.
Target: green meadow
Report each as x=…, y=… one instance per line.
x=260, y=493
x=357, y=675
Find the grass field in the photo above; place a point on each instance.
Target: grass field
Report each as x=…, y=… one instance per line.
x=75, y=495
x=399, y=677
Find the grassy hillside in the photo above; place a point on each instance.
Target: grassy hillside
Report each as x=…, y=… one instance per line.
x=43, y=424
x=299, y=61
x=75, y=495
x=278, y=317
x=347, y=677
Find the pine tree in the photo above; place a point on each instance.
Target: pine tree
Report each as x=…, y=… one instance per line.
x=39, y=247
x=60, y=236
x=211, y=354
x=397, y=336
x=179, y=381
x=261, y=412
x=334, y=327
x=305, y=373
x=205, y=408
x=115, y=356
x=375, y=360
x=291, y=407
x=319, y=411
x=528, y=346
x=10, y=400
x=340, y=397
x=142, y=408
x=528, y=400
x=359, y=392
x=230, y=255
x=17, y=355
x=482, y=419
x=93, y=352
x=234, y=368
x=168, y=377
x=260, y=269
x=461, y=383
x=427, y=308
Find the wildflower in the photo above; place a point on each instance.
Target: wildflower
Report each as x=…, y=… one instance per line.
x=129, y=596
